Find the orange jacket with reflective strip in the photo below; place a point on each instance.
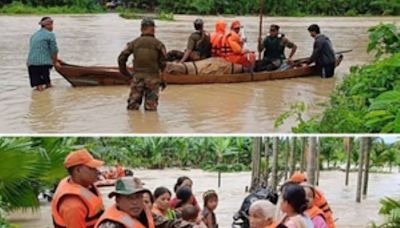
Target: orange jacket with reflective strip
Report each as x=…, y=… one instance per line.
x=113, y=214
x=321, y=202
x=93, y=202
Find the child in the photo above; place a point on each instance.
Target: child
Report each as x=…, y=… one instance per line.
x=184, y=197
x=210, y=199
x=190, y=217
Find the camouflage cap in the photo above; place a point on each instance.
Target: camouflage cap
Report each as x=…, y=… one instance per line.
x=147, y=22
x=128, y=186
x=198, y=21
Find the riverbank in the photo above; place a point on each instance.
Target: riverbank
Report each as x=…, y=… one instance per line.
x=341, y=198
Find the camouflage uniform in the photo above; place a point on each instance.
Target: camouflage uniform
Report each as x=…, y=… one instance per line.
x=159, y=222
x=149, y=59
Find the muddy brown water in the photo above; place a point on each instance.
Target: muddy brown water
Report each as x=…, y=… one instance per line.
x=348, y=213
x=218, y=108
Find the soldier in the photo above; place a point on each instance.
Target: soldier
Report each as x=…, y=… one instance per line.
x=148, y=61
x=198, y=46
x=129, y=210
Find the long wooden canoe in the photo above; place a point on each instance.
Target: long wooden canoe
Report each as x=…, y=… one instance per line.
x=104, y=76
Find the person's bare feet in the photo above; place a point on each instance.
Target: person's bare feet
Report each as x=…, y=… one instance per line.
x=40, y=88
x=49, y=85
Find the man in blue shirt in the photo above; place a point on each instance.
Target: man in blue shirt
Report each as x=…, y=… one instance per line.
x=42, y=55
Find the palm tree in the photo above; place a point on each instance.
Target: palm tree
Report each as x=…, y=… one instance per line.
x=390, y=208
x=28, y=166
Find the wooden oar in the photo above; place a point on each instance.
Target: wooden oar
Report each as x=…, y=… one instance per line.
x=260, y=25
x=302, y=60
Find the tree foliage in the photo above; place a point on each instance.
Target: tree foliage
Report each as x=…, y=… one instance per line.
x=242, y=7
x=367, y=100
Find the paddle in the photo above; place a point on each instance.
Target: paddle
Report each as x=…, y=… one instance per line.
x=302, y=60
x=260, y=25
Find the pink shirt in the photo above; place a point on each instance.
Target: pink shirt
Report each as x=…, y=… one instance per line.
x=319, y=222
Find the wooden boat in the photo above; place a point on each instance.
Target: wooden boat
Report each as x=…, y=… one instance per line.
x=104, y=76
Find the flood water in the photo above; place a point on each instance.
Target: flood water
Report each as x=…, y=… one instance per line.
x=348, y=213
x=218, y=108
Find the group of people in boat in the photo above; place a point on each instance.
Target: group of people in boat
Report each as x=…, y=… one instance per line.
x=78, y=203
x=231, y=45
x=150, y=55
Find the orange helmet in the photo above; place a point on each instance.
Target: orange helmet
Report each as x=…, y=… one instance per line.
x=235, y=24
x=298, y=177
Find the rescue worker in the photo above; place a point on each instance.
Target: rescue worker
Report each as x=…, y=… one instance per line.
x=129, y=210
x=77, y=203
x=319, y=200
x=149, y=60
x=217, y=37
x=119, y=169
x=323, y=54
x=274, y=45
x=233, y=48
x=315, y=213
x=198, y=45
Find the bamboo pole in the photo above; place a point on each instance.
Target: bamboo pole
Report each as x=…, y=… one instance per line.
x=275, y=152
x=311, y=160
x=360, y=169
x=260, y=24
x=347, y=147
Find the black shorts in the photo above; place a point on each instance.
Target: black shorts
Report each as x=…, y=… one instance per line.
x=39, y=75
x=327, y=71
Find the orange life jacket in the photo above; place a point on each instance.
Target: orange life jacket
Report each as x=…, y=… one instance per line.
x=120, y=171
x=273, y=225
x=321, y=202
x=113, y=214
x=216, y=44
x=93, y=202
x=226, y=49
x=217, y=37
x=315, y=211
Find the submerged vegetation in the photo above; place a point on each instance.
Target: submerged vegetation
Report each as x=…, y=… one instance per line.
x=368, y=99
x=242, y=7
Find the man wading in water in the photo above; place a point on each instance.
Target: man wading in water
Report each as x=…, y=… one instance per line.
x=42, y=55
x=148, y=60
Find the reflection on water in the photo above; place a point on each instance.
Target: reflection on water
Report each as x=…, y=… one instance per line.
x=348, y=213
x=98, y=39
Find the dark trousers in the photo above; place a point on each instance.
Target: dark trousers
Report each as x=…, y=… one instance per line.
x=326, y=71
x=39, y=75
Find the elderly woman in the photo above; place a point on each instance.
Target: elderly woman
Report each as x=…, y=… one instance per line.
x=261, y=214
